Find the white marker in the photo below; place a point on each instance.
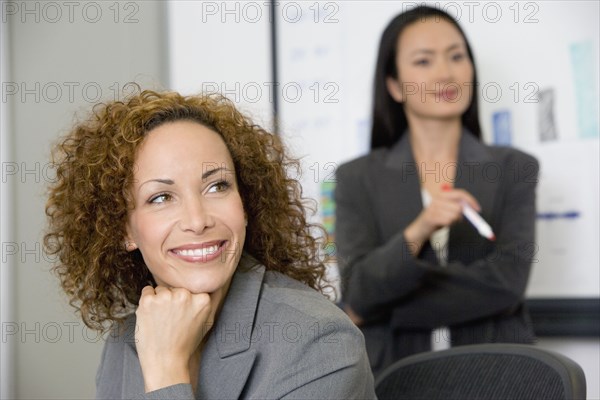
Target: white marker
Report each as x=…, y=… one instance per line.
x=478, y=222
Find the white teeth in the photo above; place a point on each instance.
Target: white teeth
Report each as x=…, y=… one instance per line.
x=203, y=252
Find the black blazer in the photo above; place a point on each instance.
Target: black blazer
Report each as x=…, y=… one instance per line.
x=479, y=294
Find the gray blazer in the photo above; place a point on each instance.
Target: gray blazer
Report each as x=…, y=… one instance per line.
x=479, y=294
x=275, y=338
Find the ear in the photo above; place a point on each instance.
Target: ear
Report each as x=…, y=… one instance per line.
x=130, y=246
x=394, y=88
x=129, y=243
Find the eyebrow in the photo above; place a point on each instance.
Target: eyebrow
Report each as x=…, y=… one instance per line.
x=211, y=172
x=428, y=51
x=205, y=176
x=165, y=181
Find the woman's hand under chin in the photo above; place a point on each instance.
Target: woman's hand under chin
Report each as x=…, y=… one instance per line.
x=171, y=324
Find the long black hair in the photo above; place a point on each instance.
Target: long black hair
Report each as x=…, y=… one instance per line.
x=389, y=120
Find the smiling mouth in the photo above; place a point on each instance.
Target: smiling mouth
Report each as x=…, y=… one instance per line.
x=448, y=94
x=203, y=253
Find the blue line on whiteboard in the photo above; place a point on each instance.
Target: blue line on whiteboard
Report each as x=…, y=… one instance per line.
x=502, y=128
x=321, y=51
x=297, y=54
x=557, y=215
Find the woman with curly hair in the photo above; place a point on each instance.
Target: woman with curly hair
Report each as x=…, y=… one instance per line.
x=180, y=209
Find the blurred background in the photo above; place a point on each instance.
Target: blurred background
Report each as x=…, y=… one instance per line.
x=305, y=70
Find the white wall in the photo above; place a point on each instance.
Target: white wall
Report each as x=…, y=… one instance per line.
x=62, y=57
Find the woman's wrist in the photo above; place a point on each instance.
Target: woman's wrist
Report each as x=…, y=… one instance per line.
x=415, y=235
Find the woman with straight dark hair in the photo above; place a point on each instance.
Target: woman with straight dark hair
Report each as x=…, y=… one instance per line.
x=416, y=272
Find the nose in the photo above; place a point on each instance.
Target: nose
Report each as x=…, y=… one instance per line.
x=195, y=216
x=444, y=70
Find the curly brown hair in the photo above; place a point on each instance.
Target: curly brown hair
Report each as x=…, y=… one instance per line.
x=90, y=199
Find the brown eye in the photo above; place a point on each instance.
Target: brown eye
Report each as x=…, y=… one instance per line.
x=220, y=186
x=160, y=198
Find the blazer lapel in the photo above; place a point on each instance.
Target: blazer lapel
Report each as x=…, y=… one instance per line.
x=400, y=189
x=479, y=175
x=228, y=358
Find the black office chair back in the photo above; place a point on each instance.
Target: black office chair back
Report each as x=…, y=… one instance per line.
x=487, y=371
